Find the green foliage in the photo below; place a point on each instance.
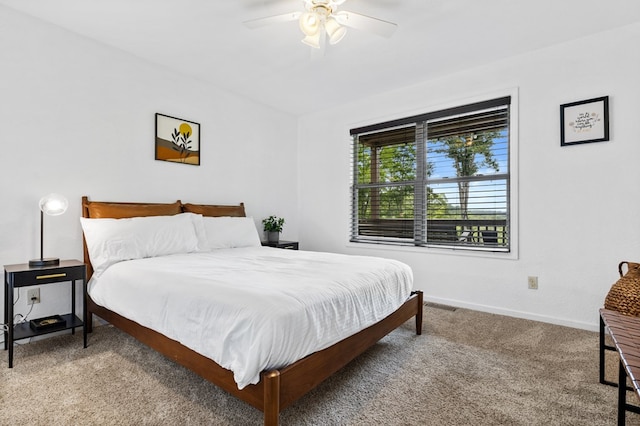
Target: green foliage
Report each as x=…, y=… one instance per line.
x=437, y=205
x=470, y=152
x=273, y=224
x=396, y=163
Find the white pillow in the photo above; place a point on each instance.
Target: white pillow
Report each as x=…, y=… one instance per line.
x=230, y=232
x=201, y=234
x=113, y=240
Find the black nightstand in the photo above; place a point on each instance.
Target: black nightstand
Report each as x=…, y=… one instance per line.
x=21, y=275
x=291, y=245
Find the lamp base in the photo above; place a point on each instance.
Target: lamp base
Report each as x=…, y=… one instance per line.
x=49, y=261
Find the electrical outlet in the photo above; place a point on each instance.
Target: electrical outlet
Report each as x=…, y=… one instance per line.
x=533, y=283
x=33, y=296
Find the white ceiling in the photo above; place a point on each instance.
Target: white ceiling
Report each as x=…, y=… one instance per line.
x=206, y=39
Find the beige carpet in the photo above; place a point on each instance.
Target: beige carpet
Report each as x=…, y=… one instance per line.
x=468, y=368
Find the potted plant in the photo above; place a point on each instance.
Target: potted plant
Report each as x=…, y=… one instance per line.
x=273, y=227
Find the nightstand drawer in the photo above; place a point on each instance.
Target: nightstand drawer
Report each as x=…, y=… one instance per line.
x=291, y=245
x=45, y=275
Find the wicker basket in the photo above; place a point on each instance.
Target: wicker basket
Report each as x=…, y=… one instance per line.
x=624, y=295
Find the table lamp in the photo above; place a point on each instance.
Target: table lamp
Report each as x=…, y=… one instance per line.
x=52, y=205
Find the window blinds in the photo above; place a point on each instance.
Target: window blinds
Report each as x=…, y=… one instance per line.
x=439, y=179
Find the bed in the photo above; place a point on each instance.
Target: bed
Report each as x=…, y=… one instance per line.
x=275, y=388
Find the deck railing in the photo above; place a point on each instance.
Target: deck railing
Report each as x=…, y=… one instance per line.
x=441, y=231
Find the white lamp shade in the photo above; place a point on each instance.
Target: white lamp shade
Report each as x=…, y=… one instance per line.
x=309, y=23
x=53, y=204
x=312, y=40
x=335, y=31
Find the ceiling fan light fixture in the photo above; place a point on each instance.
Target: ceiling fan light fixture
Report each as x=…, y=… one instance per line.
x=321, y=22
x=312, y=40
x=309, y=23
x=335, y=31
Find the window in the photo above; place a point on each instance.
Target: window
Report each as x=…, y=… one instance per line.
x=437, y=179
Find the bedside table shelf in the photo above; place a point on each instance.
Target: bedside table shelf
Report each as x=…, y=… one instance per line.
x=24, y=330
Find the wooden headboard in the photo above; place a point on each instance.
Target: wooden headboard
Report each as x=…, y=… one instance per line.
x=116, y=210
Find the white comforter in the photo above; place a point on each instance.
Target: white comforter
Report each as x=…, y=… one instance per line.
x=258, y=308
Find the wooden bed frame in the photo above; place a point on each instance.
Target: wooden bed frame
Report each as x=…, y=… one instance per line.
x=277, y=388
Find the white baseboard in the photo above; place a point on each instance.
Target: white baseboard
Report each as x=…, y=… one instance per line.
x=516, y=314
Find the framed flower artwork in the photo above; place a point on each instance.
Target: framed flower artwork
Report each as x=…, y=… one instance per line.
x=177, y=140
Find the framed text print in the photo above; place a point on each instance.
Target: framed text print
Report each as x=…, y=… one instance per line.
x=584, y=121
x=177, y=140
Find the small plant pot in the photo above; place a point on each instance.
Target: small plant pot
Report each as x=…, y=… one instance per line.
x=273, y=237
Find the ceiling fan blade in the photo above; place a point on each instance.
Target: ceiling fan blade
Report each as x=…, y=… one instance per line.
x=270, y=20
x=366, y=23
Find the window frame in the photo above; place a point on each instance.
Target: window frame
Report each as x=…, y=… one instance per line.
x=505, y=97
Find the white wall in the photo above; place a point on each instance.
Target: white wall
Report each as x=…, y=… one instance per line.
x=578, y=205
x=78, y=117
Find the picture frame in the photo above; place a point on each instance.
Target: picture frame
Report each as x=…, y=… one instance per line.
x=177, y=140
x=584, y=121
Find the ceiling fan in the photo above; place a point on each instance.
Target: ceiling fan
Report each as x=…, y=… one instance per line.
x=321, y=21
